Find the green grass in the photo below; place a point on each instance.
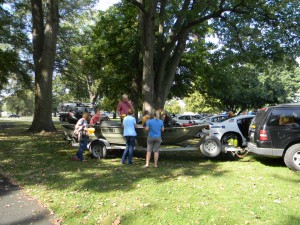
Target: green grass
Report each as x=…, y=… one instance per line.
x=186, y=189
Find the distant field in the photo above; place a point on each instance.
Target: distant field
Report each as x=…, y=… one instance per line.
x=23, y=118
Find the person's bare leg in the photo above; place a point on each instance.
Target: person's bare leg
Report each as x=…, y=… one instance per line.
x=148, y=157
x=156, y=156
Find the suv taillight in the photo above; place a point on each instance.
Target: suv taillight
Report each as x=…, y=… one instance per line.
x=263, y=135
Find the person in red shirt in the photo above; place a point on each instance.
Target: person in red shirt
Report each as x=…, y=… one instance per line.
x=96, y=118
x=123, y=107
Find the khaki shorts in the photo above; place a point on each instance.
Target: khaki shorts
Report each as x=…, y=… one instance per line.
x=153, y=144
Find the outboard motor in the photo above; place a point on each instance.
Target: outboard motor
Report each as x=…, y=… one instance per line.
x=72, y=119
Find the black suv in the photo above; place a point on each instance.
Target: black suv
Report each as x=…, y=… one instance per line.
x=275, y=132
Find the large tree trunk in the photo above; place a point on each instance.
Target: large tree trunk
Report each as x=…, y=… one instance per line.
x=44, y=38
x=147, y=44
x=159, y=76
x=92, y=90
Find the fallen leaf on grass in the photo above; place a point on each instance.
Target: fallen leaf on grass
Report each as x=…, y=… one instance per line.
x=277, y=201
x=145, y=204
x=117, y=221
x=56, y=221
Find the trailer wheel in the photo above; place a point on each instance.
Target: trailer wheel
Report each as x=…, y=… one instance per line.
x=98, y=150
x=210, y=146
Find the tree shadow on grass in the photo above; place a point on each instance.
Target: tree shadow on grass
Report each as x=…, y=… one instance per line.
x=267, y=161
x=46, y=159
x=291, y=220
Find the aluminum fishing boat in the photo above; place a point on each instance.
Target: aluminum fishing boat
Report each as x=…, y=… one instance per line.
x=112, y=132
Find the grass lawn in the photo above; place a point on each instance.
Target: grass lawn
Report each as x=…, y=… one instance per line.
x=187, y=188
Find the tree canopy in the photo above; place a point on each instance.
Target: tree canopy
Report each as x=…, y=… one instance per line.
x=154, y=50
x=173, y=57
x=14, y=44
x=254, y=29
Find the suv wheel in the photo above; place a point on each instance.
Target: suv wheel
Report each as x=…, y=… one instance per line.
x=292, y=157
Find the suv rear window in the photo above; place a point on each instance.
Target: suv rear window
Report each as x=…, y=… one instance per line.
x=284, y=116
x=260, y=115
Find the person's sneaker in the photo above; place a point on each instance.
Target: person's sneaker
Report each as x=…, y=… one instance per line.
x=75, y=159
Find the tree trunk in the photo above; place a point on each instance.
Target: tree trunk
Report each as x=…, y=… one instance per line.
x=147, y=44
x=44, y=38
x=158, y=79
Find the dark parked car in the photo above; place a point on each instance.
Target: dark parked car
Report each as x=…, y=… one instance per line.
x=275, y=132
x=104, y=116
x=13, y=116
x=76, y=114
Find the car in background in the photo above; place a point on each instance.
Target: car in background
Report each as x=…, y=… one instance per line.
x=275, y=133
x=63, y=109
x=104, y=117
x=235, y=128
x=213, y=119
x=187, y=119
x=77, y=113
x=229, y=136
x=13, y=116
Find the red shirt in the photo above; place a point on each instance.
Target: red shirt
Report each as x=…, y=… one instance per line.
x=95, y=119
x=123, y=107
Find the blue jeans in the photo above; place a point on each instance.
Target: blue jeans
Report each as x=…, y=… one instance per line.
x=130, y=141
x=83, y=146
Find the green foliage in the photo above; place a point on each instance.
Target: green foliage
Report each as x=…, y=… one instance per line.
x=198, y=103
x=115, y=50
x=74, y=72
x=173, y=106
x=21, y=102
x=110, y=105
x=100, y=56
x=229, y=81
x=14, y=44
x=261, y=29
x=106, y=57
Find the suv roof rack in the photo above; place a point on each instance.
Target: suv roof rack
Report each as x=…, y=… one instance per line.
x=288, y=104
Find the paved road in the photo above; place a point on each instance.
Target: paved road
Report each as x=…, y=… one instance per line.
x=17, y=208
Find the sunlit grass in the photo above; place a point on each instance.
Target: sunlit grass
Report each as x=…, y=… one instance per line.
x=186, y=189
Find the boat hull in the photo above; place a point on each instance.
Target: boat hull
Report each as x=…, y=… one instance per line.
x=112, y=131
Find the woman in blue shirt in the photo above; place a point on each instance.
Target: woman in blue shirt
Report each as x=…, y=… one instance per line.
x=155, y=126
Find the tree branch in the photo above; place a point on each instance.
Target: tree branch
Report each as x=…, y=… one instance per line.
x=138, y=4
